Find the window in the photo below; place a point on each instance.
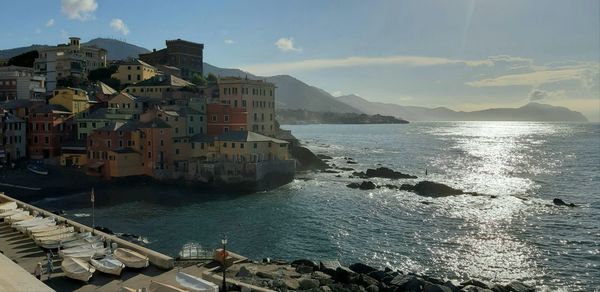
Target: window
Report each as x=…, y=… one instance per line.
x=242, y=145
x=129, y=77
x=232, y=145
x=139, y=77
x=224, y=144
x=225, y=129
x=226, y=118
x=149, y=154
x=176, y=151
x=214, y=118
x=191, y=118
x=162, y=143
x=255, y=145
x=46, y=140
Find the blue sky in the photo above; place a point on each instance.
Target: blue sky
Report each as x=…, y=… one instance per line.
x=462, y=54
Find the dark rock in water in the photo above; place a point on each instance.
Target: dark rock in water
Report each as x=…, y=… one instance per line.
x=307, y=159
x=425, y=203
x=365, y=281
x=430, y=287
x=344, y=275
x=392, y=187
x=377, y=275
x=323, y=156
x=329, y=171
x=471, y=288
x=516, y=286
x=559, y=202
x=338, y=175
x=58, y=212
x=361, y=268
x=432, y=189
x=304, y=269
x=306, y=263
x=476, y=283
x=365, y=185
x=329, y=267
x=359, y=174
x=385, y=172
x=351, y=162
x=346, y=168
x=406, y=187
x=407, y=283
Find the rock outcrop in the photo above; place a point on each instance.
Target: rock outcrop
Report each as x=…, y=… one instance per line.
x=307, y=160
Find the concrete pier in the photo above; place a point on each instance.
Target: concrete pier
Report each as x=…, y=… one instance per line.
x=21, y=255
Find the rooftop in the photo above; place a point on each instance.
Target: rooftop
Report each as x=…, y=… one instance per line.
x=236, y=136
x=163, y=80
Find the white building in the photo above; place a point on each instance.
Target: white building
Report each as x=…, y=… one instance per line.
x=70, y=59
x=20, y=83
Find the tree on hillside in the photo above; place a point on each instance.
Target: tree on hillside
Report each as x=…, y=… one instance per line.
x=24, y=60
x=101, y=74
x=198, y=79
x=211, y=78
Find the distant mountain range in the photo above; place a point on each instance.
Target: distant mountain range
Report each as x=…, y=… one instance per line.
x=295, y=94
x=530, y=112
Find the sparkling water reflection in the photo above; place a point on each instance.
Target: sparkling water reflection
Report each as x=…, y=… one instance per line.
x=513, y=232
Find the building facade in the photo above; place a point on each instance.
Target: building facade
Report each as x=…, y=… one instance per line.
x=185, y=55
x=47, y=128
x=134, y=72
x=70, y=59
x=21, y=83
x=73, y=99
x=13, y=137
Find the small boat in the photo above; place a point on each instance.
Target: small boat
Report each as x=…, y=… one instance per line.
x=90, y=249
x=8, y=206
x=87, y=255
x=77, y=269
x=109, y=265
x=63, y=229
x=11, y=212
x=26, y=230
x=27, y=222
x=18, y=217
x=162, y=287
x=81, y=241
x=37, y=168
x=194, y=283
x=43, y=228
x=24, y=225
x=131, y=258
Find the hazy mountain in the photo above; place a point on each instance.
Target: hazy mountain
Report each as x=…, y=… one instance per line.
x=529, y=112
x=9, y=53
x=291, y=92
x=117, y=50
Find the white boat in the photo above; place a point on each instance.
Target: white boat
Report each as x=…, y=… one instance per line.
x=77, y=269
x=18, y=217
x=194, y=283
x=26, y=222
x=27, y=230
x=109, y=265
x=53, y=242
x=11, y=212
x=23, y=225
x=8, y=206
x=44, y=228
x=162, y=287
x=58, y=231
x=81, y=249
x=131, y=258
x=88, y=254
x=81, y=241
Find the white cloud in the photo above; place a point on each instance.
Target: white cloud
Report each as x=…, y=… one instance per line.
x=50, y=22
x=287, y=45
x=538, y=94
x=79, y=9
x=534, y=78
x=317, y=64
x=118, y=25
x=230, y=42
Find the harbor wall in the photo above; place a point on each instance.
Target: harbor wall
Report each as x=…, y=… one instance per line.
x=160, y=260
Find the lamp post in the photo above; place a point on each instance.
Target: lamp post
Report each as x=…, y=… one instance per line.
x=224, y=242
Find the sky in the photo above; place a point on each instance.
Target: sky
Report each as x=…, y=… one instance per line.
x=462, y=54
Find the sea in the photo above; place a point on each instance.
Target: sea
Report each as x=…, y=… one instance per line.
x=512, y=232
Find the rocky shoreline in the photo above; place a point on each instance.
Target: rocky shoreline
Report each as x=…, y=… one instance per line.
x=331, y=276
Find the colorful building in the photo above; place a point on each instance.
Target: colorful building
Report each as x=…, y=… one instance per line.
x=100, y=118
x=70, y=59
x=13, y=137
x=158, y=86
x=156, y=147
x=73, y=99
x=21, y=83
x=256, y=97
x=223, y=118
x=47, y=128
x=134, y=71
x=128, y=103
x=110, y=143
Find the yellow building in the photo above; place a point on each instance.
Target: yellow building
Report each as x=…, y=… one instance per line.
x=239, y=146
x=157, y=86
x=74, y=99
x=134, y=72
x=73, y=154
x=124, y=162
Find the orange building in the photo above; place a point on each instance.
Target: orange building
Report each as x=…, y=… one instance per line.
x=222, y=118
x=156, y=147
x=106, y=144
x=48, y=127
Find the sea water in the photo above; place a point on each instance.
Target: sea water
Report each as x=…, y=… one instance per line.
x=514, y=232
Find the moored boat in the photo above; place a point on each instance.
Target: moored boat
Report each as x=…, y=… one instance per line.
x=43, y=228
x=81, y=241
x=162, y=287
x=8, y=206
x=77, y=269
x=194, y=283
x=18, y=217
x=61, y=230
x=109, y=265
x=131, y=258
x=37, y=168
x=11, y=212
